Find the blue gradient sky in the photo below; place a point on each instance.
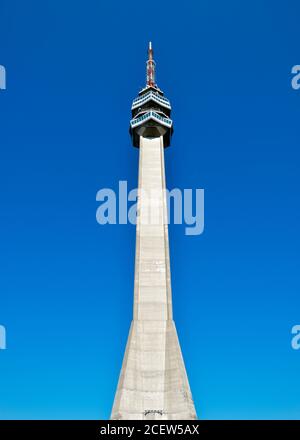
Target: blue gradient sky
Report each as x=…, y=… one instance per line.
x=66, y=283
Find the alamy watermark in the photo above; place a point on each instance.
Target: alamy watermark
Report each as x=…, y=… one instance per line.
x=2, y=328
x=2, y=337
x=2, y=77
x=150, y=206
x=296, y=79
x=296, y=338
x=295, y=342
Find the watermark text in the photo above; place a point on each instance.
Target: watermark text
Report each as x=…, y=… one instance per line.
x=296, y=338
x=2, y=77
x=296, y=78
x=2, y=337
x=155, y=206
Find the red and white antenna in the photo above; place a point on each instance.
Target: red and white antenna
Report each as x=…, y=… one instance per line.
x=150, y=67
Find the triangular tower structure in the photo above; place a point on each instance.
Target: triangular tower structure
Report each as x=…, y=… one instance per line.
x=153, y=383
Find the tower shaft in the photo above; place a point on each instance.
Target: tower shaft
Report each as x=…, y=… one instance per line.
x=152, y=282
x=153, y=383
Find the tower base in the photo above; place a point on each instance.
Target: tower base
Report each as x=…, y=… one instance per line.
x=153, y=384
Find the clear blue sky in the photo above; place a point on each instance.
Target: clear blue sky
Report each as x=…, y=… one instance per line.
x=66, y=283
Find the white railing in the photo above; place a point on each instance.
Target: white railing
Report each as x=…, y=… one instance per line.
x=150, y=95
x=151, y=115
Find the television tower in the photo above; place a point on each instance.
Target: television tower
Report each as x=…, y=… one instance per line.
x=153, y=383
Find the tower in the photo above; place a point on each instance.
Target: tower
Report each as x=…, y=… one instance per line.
x=153, y=383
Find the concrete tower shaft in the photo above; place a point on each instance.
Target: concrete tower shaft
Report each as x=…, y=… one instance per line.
x=153, y=383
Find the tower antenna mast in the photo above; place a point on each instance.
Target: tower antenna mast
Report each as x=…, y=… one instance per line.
x=150, y=67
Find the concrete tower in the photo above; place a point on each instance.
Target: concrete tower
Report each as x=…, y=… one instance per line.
x=153, y=383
